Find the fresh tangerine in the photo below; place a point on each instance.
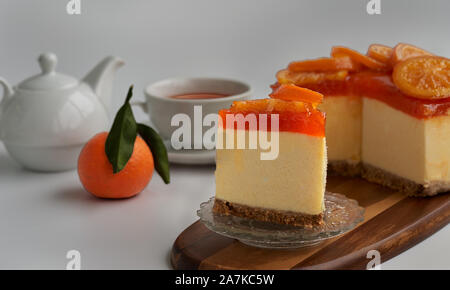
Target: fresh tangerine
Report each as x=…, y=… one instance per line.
x=96, y=172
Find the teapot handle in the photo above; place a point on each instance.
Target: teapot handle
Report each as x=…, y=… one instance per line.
x=7, y=92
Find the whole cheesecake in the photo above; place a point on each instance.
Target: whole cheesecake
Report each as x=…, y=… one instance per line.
x=287, y=188
x=388, y=115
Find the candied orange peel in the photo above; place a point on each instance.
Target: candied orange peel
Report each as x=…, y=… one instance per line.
x=289, y=92
x=357, y=57
x=425, y=77
x=381, y=53
x=303, y=78
x=404, y=51
x=324, y=64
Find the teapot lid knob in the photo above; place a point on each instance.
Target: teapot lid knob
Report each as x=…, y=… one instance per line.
x=48, y=62
x=49, y=79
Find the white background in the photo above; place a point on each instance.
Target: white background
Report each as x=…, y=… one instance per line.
x=42, y=216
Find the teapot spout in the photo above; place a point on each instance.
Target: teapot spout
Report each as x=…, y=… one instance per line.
x=101, y=79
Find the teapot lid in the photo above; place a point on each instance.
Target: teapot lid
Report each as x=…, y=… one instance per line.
x=49, y=79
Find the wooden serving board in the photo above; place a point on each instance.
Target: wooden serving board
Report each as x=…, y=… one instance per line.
x=393, y=223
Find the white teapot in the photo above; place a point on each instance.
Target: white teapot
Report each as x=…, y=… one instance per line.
x=46, y=119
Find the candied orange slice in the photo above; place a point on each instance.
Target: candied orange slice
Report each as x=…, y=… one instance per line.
x=294, y=93
x=403, y=51
x=324, y=64
x=303, y=78
x=425, y=77
x=379, y=52
x=357, y=57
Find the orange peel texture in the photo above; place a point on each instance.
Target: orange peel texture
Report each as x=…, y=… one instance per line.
x=290, y=92
x=303, y=78
x=426, y=77
x=360, y=58
x=381, y=53
x=324, y=64
x=403, y=51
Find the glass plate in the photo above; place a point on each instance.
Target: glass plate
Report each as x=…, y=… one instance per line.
x=341, y=215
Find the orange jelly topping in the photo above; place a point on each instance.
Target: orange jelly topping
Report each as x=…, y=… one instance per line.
x=379, y=86
x=295, y=117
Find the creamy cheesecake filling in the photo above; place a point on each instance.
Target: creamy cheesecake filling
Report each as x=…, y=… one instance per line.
x=293, y=182
x=409, y=147
x=343, y=128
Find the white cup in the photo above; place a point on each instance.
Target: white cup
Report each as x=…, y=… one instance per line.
x=161, y=106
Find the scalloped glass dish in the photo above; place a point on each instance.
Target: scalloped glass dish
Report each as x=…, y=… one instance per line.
x=340, y=216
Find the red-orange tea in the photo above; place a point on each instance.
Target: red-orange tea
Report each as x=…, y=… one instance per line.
x=197, y=96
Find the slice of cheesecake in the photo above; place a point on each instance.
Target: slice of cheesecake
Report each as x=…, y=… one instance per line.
x=288, y=189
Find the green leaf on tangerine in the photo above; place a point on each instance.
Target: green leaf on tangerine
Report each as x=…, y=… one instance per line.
x=120, y=141
x=159, y=151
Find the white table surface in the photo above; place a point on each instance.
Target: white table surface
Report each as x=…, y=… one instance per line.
x=44, y=215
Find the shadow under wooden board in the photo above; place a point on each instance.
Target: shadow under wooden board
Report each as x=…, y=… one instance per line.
x=393, y=223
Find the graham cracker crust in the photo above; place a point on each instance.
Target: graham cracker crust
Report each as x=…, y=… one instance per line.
x=411, y=188
x=343, y=168
x=267, y=215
